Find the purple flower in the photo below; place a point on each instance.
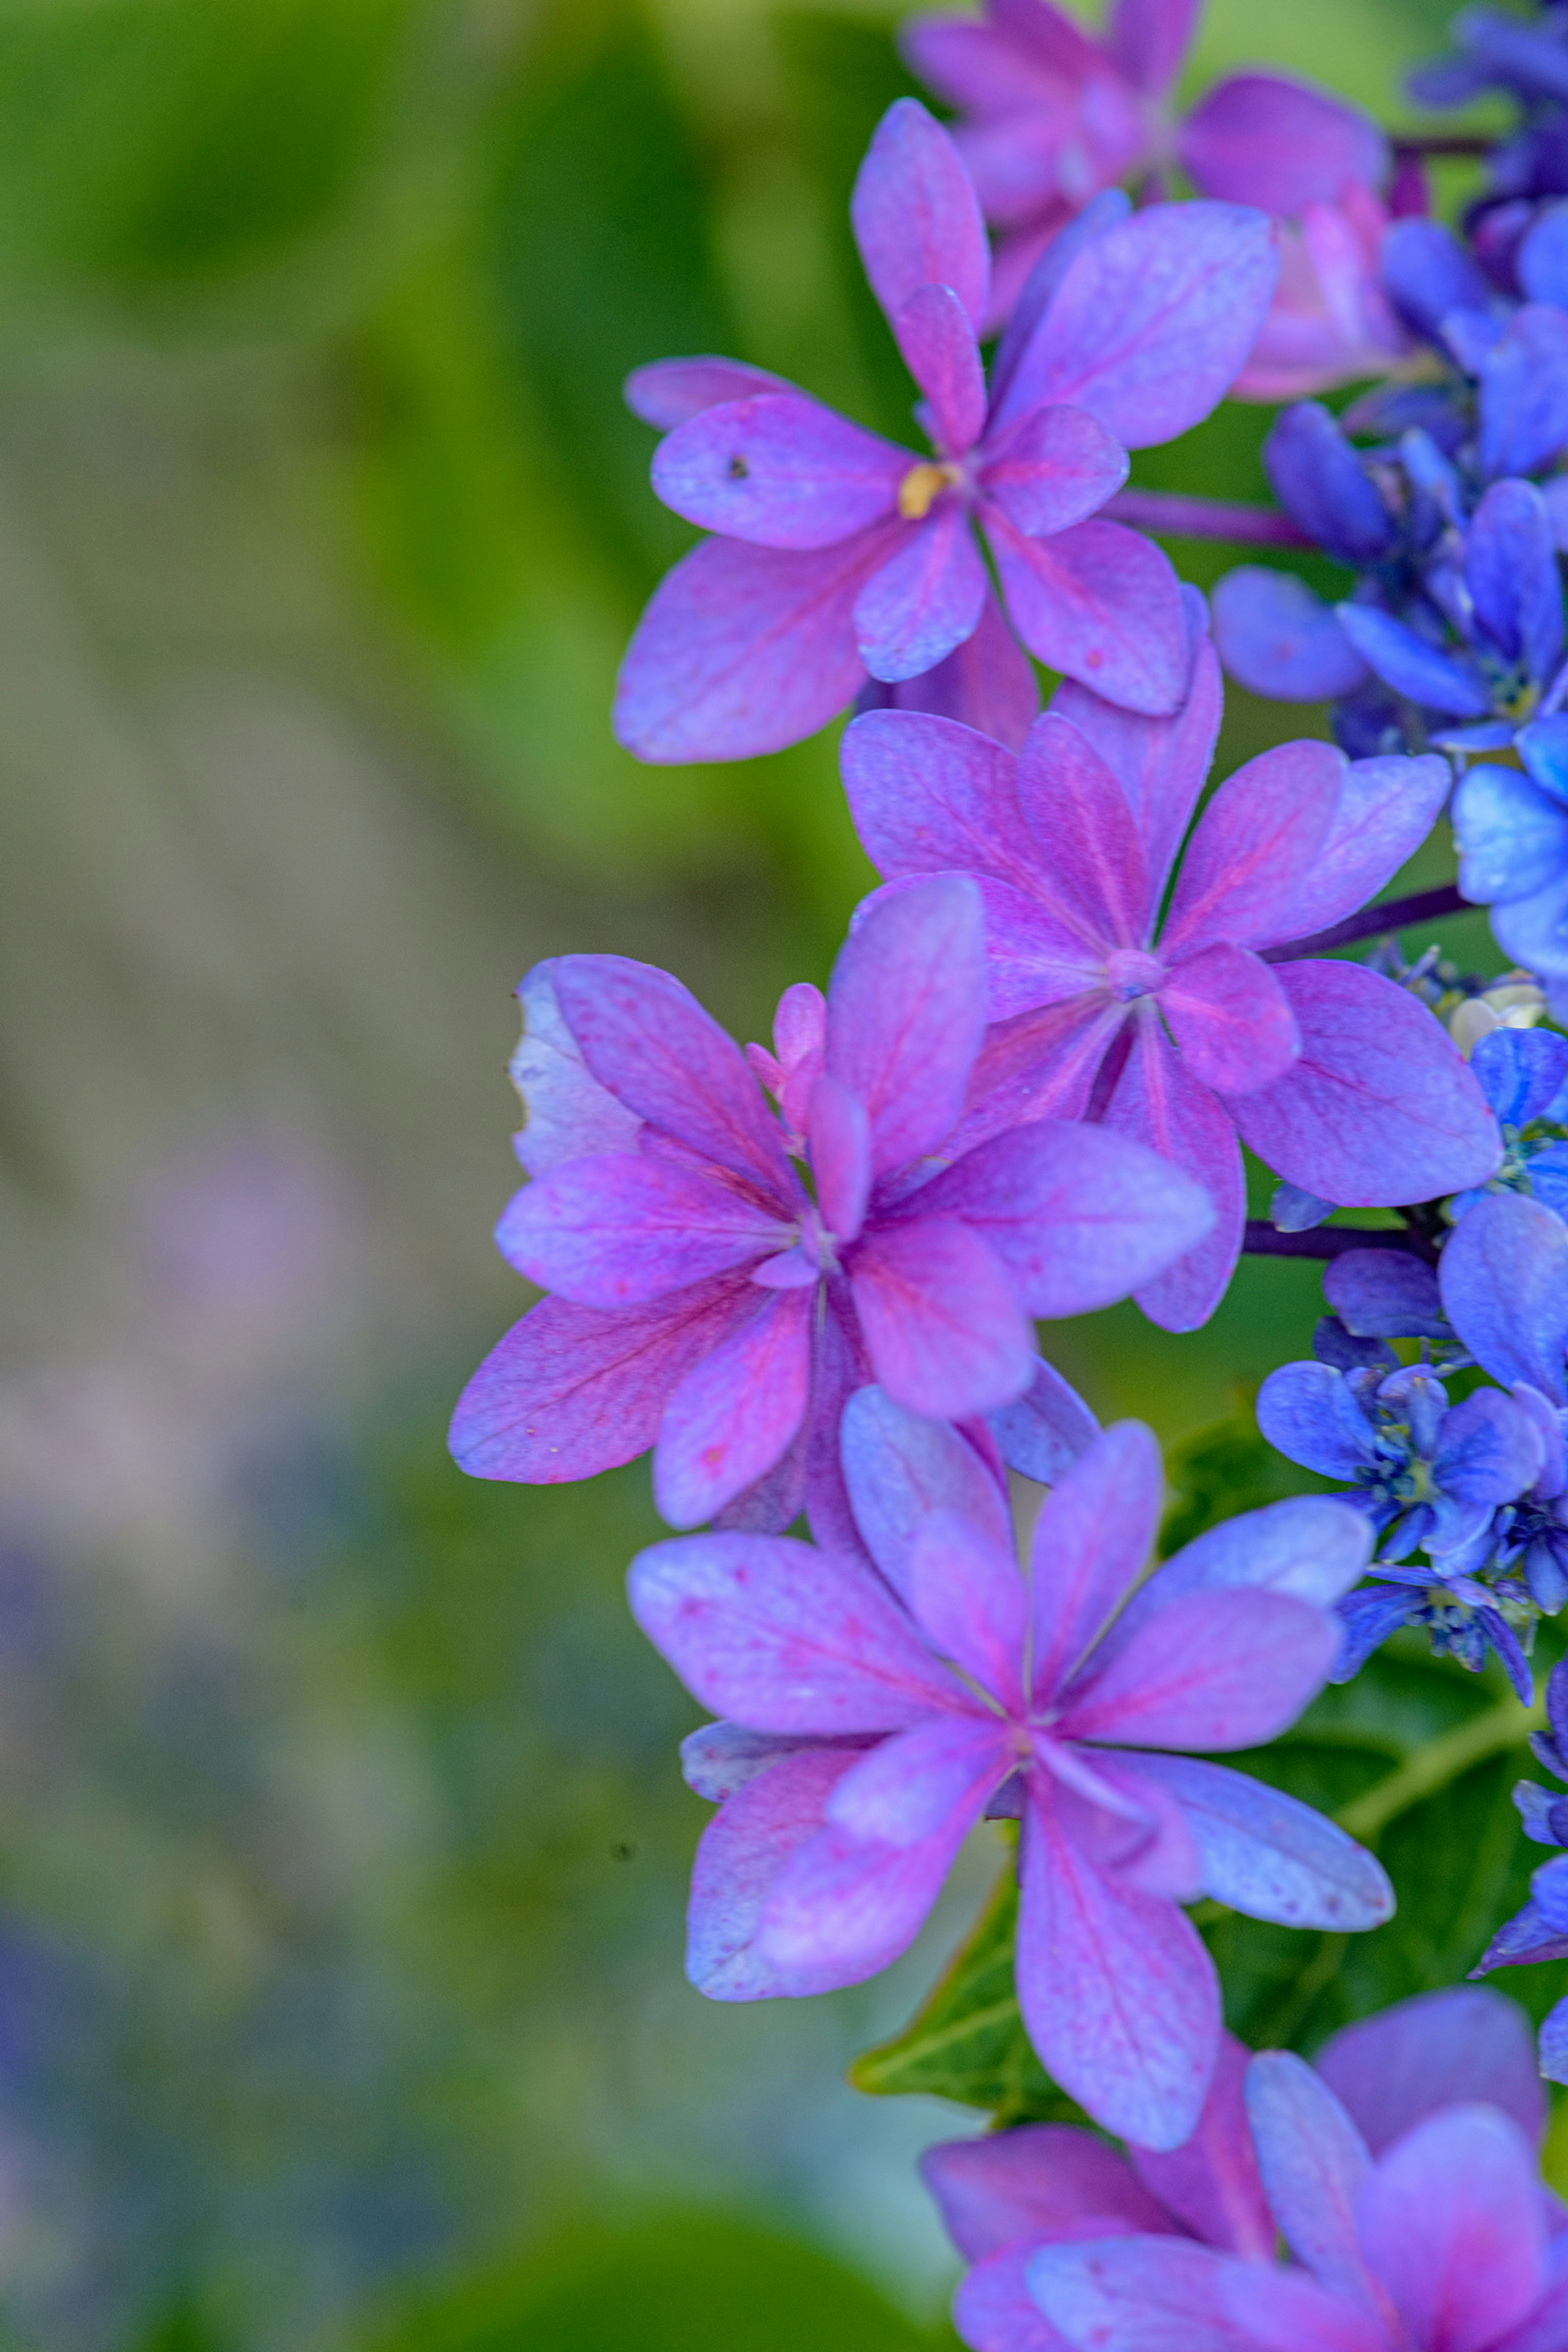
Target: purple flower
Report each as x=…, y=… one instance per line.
x=1051, y=115
x=1415, y=2225
x=1008, y=2194
x=710, y=1306
x=839, y=555
x=1172, y=1026
x=874, y=1718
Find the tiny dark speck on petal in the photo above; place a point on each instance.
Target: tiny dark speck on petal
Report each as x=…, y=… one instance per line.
x=738, y=469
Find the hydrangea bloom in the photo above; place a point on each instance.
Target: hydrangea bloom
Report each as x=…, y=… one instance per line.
x=1330, y=321
x=1007, y=2194
x=1510, y=826
x=1052, y=115
x=874, y=1718
x=1172, y=1023
x=710, y=1306
x=1523, y=1074
x=1437, y=2238
x=1540, y=1930
x=839, y=555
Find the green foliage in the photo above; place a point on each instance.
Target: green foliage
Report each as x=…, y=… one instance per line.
x=1222, y=1471
x=675, y=2283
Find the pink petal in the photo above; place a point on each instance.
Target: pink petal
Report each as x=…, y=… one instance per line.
x=1161, y=1104
x=993, y=2309
x=970, y=1603
x=902, y=1469
x=843, y=1908
x=784, y=1638
x=1153, y=321
x=1230, y=1018
x=1093, y=1535
x=779, y=470
x=909, y=1787
x=1210, y=2183
x=1434, y=2051
x=667, y=392
x=568, y=1112
x=1089, y=859
x=1036, y=2182
x=745, y=649
x=925, y=600
x=933, y=332
x=1137, y=2295
x=1243, y=874
x=741, y=1854
x=1017, y=59
x=1258, y=139
x=1038, y=1065
x=616, y=1230
x=988, y=683
x=930, y=797
x=1211, y=1670
x=647, y=1039
x=1380, y=1108
x=1054, y=467
x=1101, y=605
x=572, y=1391
x=840, y=1137
x=1453, y=2228
x=1160, y=763
x=839, y=1367
x=1031, y=956
x=1078, y=1216
x=906, y=1008
x=1274, y=2308
x=734, y=1414
x=916, y=217
x=941, y=1319
x=1150, y=38
x=1387, y=809
x=1118, y=1993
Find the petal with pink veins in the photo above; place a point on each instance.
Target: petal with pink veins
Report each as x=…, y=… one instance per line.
x=667, y=392
x=1033, y=956
x=941, y=1319
x=1054, y=467
x=741, y=1854
x=970, y=1603
x=1038, y=1065
x=987, y=683
x=934, y=332
x=1230, y=1018
x=1435, y=2050
x=915, y=214
x=567, y=1112
x=1252, y=846
x=840, y=1137
x=1268, y=1855
x=1210, y=2183
x=1210, y=1670
x=906, y=1008
x=779, y=470
x=908, y=1788
x=1088, y=856
x=615, y=1230
x=1387, y=809
x=1036, y=2182
x=847, y=1907
x=925, y=600
x=930, y=796
x=902, y=1469
x=735, y=1413
x=1453, y=2228
x=1101, y=605
x=1091, y=1539
x=1159, y=1103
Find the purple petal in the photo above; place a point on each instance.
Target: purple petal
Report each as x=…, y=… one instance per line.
x=941, y=1319
x=1385, y=810
x=718, y=1758
x=929, y=797
x=1283, y=2308
x=901, y=1469
x=1210, y=2183
x=1438, y=2050
x=1313, y=2162
x=1230, y=1018
x=1309, y=1546
x=1117, y=1994
x=845, y=1909
x=1454, y=2229
x=746, y=649
x=1258, y=139
x=1490, y=1451
x=841, y=1366
x=906, y=1009
x=1278, y=638
x=1211, y=1670
x=1307, y=1411
x=645, y=1037
x=668, y=393
x=1160, y=763
x=1429, y=273
x=1088, y=857
x=1101, y=605
x=1385, y=1294
x=1153, y=321
x=779, y=470
x=1511, y=568
x=970, y=1602
x=1036, y=2182
x=925, y=600
x=1077, y=1215
x=1040, y=1063
x=1133, y=2295
x=987, y=683
x=734, y=1414
x=1031, y=265
x=907, y=1789
x=1091, y=1539
x=568, y=1113
x=617, y=1230
x=1268, y=1855
x=992, y=2307
x=839, y=1136
x=1150, y=38
x=934, y=333
x=1255, y=843
x=1524, y=393
x=572, y=1391
x=995, y=66
x=1504, y=1279
x=916, y=217
x=741, y=1853
x=1412, y=666
x=784, y=1638
x=1053, y=467
x=1380, y=1108
x=1162, y=1104
x=1045, y=1429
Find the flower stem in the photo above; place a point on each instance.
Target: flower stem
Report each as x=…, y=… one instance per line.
x=1167, y=510
x=1264, y=1240
x=1440, y=142
x=1374, y=922
x=1491, y=1733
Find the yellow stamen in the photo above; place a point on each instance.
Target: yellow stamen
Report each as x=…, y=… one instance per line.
x=922, y=486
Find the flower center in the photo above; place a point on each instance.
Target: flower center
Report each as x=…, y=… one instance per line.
x=924, y=485
x=1131, y=972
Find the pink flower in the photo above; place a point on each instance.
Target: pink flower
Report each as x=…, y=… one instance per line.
x=1331, y=322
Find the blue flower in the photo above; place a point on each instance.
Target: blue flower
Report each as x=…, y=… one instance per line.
x=1511, y=825
x=1523, y=1074
x=1539, y=1931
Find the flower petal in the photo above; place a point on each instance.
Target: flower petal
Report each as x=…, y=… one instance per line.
x=1101, y=605
x=616, y=1230
x=1313, y=2162
x=1161, y=1105
x=988, y=682
x=1278, y=638
x=844, y=1908
x=1209, y=1670
x=1489, y=1452
x=1036, y=1065
x=906, y=1009
x=1053, y=467
x=667, y=392
x=741, y=1854
x=1036, y=2182
x=1258, y=139
x=971, y=1604
x=993, y=2309
x=1309, y=1414
x=839, y=1135
x=1521, y=1072
x=1380, y=1108
x=1043, y=1432
x=1230, y=1018
x=1089, y=858
x=1150, y=38
x=1312, y=1547
x=734, y=1414
x=907, y=1789
x=1523, y=401
x=1252, y=846
x=1268, y=1855
x=779, y=470
x=1454, y=2229
x=1387, y=808
x=925, y=600
x=1133, y=2295
x=784, y=1638
x=941, y=1318
x=1511, y=568
x=1510, y=836
x=1504, y=1280
x=1434, y=2051
x=916, y=217
x=930, y=797
x=901, y=1469
x=1092, y=1536
x=934, y=333
x=1210, y=2183
x=1385, y=1294
x=568, y=1113
x=1412, y=666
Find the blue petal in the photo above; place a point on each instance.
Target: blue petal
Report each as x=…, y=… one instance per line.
x=1042, y=1433
x=1546, y=1575
x=1524, y=393
x=1504, y=1279
x=1520, y=1072
x=1511, y=566
x=1510, y=836
x=1543, y=748
x=1427, y=272
x=1412, y=666
x=1533, y=930
x=1370, y=1617
x=1385, y=1294
x=1323, y=483
x=1291, y=1211
x=1515, y=1664
x=1548, y=1173
x=1541, y=265
x=1551, y=2047
x=1332, y=1344
x=1486, y=735
x=1527, y=1935
x=1534, y=1804
x=1309, y=1414
x=1276, y=638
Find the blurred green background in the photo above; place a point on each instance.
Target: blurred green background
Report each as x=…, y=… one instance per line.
x=342, y=1844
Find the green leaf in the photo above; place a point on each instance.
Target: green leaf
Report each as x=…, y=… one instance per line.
x=1223, y=1471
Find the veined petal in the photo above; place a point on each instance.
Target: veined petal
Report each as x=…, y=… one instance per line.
x=925, y=600
x=909, y=1787
x=1041, y=1434
x=1412, y=666
x=1091, y=1539
x=1312, y=1546
x=735, y=1413
x=1210, y=2183
x=667, y=392
x=1230, y=1018
x=779, y=470
x=1454, y=2229
x=906, y=1009
x=1253, y=844
x=1052, y=468
x=617, y=1230
x=1210, y=1670
x=1510, y=835
x=1504, y=1280
x=915, y=214
x=1314, y=2163
x=1089, y=858
x=1387, y=808
x=988, y=682
x=845, y=1907
x=902, y=1469
x=936, y=336
x=970, y=1602
x=1523, y=402
x=1101, y=605
x=930, y=797
x=568, y=1113
x=1510, y=567
x=1162, y=1104
x=1258, y=139
x=1268, y=1855
x=839, y=1135
x=1036, y=2182
x=741, y=1854
x=1038, y=1065
x=993, y=2309
x=1433, y=2051
x=941, y=1318
x=1033, y=956
x=1131, y=2294
x=1308, y=1413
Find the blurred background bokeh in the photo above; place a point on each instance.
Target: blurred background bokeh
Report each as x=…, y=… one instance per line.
x=341, y=1843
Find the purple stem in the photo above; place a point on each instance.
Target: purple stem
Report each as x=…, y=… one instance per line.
x=1205, y=518
x=1374, y=922
x=1264, y=1240
x=1441, y=143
